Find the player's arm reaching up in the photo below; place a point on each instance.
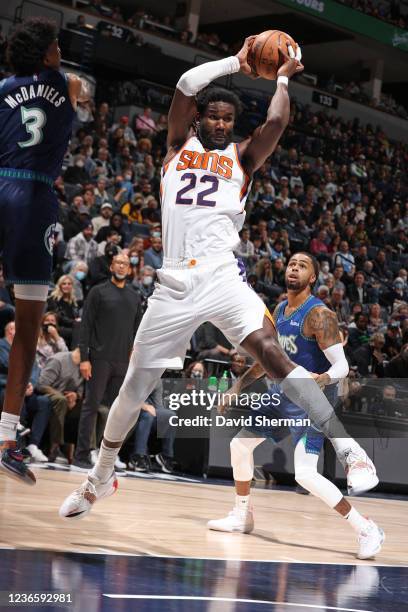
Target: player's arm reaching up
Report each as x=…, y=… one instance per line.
x=183, y=109
x=257, y=149
x=78, y=89
x=322, y=324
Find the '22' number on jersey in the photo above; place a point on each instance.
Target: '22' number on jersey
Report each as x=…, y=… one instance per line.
x=34, y=120
x=201, y=196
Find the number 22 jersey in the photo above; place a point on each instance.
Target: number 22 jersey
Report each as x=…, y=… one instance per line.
x=203, y=196
x=36, y=117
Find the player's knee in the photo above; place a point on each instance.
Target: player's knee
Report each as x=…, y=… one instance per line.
x=239, y=451
x=273, y=356
x=306, y=477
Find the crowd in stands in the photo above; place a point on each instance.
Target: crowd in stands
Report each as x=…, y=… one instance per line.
x=211, y=42
x=333, y=187
x=357, y=92
x=390, y=11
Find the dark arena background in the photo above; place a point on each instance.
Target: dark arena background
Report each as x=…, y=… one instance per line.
x=336, y=186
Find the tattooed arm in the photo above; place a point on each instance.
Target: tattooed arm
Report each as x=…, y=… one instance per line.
x=322, y=324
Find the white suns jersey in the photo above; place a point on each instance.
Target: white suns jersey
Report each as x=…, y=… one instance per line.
x=203, y=196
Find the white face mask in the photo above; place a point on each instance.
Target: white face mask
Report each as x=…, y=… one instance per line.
x=147, y=281
x=197, y=374
x=79, y=163
x=119, y=277
x=325, y=268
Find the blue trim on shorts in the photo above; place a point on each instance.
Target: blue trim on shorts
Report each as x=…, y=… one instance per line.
x=29, y=175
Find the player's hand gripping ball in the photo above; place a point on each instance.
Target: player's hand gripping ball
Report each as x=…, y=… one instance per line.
x=269, y=51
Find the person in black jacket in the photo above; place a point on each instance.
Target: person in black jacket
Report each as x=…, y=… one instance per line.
x=110, y=319
x=99, y=268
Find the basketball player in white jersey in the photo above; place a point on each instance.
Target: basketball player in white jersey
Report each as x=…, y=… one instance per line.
x=205, y=182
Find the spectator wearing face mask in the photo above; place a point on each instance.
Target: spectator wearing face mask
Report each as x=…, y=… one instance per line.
x=154, y=256
x=196, y=370
x=132, y=210
x=49, y=340
x=397, y=294
x=136, y=261
x=79, y=274
x=127, y=186
x=77, y=174
x=145, y=285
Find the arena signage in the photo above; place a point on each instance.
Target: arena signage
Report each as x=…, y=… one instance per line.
x=357, y=22
x=325, y=99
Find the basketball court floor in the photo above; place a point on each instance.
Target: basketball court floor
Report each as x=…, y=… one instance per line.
x=147, y=549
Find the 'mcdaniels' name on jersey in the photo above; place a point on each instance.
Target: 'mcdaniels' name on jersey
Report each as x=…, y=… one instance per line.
x=30, y=92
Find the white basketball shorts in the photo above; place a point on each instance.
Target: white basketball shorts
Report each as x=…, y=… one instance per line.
x=186, y=296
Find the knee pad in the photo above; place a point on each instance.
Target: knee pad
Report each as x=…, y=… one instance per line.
x=318, y=485
x=242, y=457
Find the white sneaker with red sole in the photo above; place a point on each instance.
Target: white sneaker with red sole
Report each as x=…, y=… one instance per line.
x=81, y=501
x=360, y=471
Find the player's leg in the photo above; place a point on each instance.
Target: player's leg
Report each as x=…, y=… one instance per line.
x=28, y=210
x=240, y=518
x=123, y=415
x=301, y=389
x=370, y=537
x=296, y=382
x=245, y=321
x=160, y=343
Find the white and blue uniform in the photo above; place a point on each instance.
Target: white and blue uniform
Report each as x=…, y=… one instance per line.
x=305, y=352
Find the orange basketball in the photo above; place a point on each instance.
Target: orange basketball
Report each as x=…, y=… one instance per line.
x=268, y=52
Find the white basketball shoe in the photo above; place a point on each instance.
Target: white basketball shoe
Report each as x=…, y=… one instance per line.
x=360, y=471
x=80, y=502
x=237, y=520
x=370, y=541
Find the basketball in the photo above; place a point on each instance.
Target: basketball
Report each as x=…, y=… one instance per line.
x=268, y=52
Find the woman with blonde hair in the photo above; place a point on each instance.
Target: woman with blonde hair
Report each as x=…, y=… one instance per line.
x=62, y=301
x=264, y=271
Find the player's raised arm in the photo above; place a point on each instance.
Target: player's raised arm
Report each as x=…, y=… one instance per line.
x=78, y=89
x=183, y=107
x=322, y=324
x=266, y=137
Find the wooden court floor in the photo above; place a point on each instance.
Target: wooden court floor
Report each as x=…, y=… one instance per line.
x=168, y=519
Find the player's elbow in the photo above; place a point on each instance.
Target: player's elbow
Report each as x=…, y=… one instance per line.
x=277, y=122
